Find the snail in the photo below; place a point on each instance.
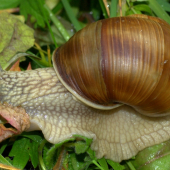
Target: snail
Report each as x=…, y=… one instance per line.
x=110, y=82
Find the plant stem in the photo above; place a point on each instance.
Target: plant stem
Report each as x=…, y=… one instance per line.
x=40, y=149
x=103, y=9
x=70, y=14
x=130, y=165
x=113, y=8
x=97, y=165
x=158, y=10
x=40, y=3
x=58, y=24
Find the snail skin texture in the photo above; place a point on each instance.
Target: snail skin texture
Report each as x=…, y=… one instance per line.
x=118, y=133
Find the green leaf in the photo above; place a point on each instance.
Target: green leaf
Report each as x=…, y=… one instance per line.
x=137, y=11
x=113, y=8
x=91, y=153
x=71, y=15
x=4, y=161
x=42, y=150
x=9, y=160
x=20, y=152
x=39, y=62
x=4, y=4
x=130, y=165
x=52, y=154
x=51, y=157
x=115, y=165
x=143, y=8
x=103, y=163
x=139, y=0
x=158, y=10
x=33, y=152
x=36, y=136
x=15, y=37
x=164, y=4
x=81, y=147
x=155, y=157
x=129, y=12
x=90, y=157
x=57, y=8
x=3, y=146
x=70, y=166
x=32, y=7
x=87, y=140
x=58, y=24
x=77, y=162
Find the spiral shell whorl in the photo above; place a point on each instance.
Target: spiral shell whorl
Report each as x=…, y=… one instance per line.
x=119, y=60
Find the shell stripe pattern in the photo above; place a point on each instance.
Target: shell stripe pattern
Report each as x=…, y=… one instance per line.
x=120, y=60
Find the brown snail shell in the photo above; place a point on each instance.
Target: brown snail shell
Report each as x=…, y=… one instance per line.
x=119, y=60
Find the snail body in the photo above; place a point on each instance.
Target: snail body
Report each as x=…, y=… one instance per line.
x=123, y=60
x=119, y=60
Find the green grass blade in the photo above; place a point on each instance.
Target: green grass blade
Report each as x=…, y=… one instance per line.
x=130, y=165
x=40, y=151
x=113, y=8
x=58, y=7
x=101, y=168
x=103, y=9
x=19, y=152
x=2, y=148
x=4, y=161
x=71, y=16
x=45, y=17
x=115, y=165
x=58, y=24
x=103, y=163
x=158, y=10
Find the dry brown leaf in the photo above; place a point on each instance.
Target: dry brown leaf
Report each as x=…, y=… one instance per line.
x=15, y=66
x=16, y=117
x=29, y=66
